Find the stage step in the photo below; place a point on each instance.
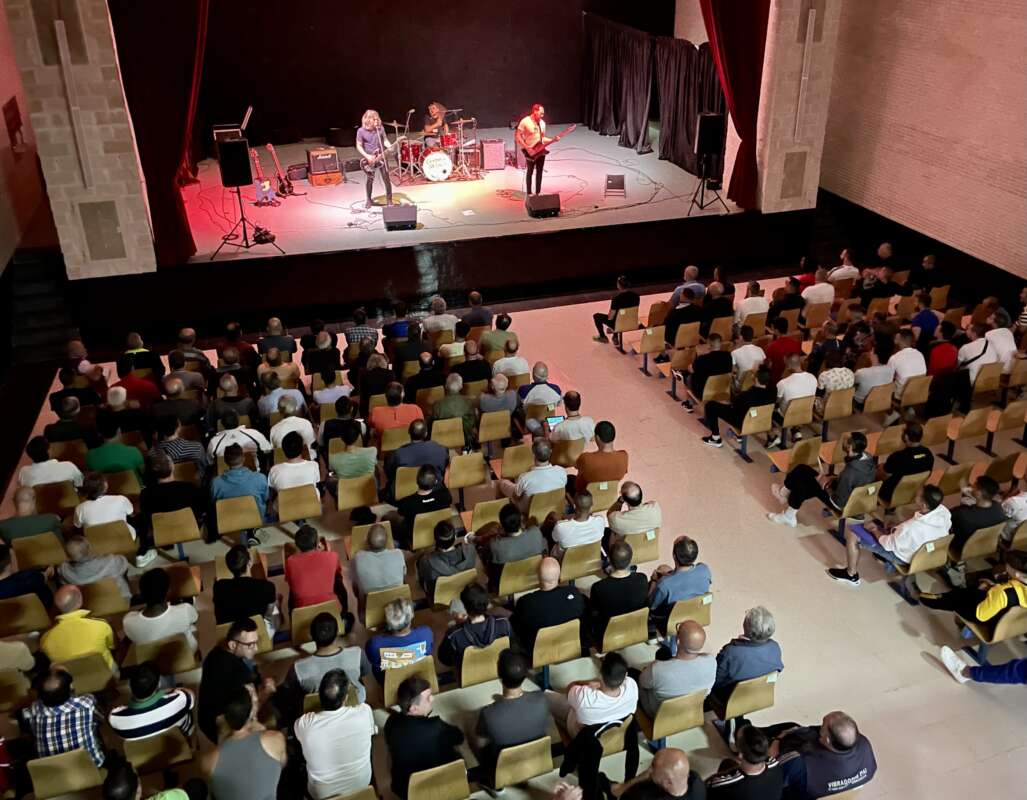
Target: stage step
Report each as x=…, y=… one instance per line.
x=41, y=323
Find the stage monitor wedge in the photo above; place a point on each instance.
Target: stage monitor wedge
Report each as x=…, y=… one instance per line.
x=543, y=205
x=400, y=218
x=234, y=161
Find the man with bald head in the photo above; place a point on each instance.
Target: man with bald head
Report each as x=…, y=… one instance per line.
x=420, y=450
x=323, y=356
x=512, y=363
x=818, y=761
x=629, y=514
x=690, y=281
x=186, y=410
x=669, y=776
x=474, y=367
x=74, y=633
x=84, y=567
x=187, y=345
x=540, y=391
x=429, y=377
x=377, y=566
x=690, y=670
x=552, y=604
x=233, y=398
x=277, y=337
x=479, y=316
x=288, y=372
x=61, y=721
x=27, y=521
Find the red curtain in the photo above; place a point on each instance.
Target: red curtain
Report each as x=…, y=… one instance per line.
x=738, y=36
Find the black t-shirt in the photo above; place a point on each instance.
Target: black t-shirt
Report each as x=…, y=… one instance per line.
x=425, y=379
x=907, y=461
x=682, y=315
x=163, y=497
x=221, y=673
x=611, y=597
x=416, y=744
x=715, y=362
x=317, y=361
x=810, y=770
x=626, y=299
x=86, y=397
x=967, y=520
x=647, y=790
x=736, y=785
x=542, y=609
x=430, y=120
x=471, y=371
x=238, y=598
x=414, y=504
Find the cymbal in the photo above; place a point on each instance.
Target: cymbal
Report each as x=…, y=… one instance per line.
x=470, y=121
x=396, y=124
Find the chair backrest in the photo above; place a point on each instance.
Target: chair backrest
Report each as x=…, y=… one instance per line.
x=374, y=609
x=22, y=614
x=424, y=527
x=930, y=556
x=955, y=477
x=441, y=337
x=519, y=576
x=539, y=411
x=791, y=316
x=357, y=492
x=480, y=664
x=723, y=327
x=111, y=538
x=982, y=543
x=686, y=336
x=612, y=739
x=879, y=305
x=799, y=412
x=238, y=514
x=428, y=397
x=816, y=314
x=658, y=312
x=394, y=438
x=519, y=380
x=448, y=782
x=863, y=500
x=604, y=493
x=41, y=550
x=543, y=503
x=475, y=333
x=908, y=486
x=1012, y=416
x=1019, y=541
x=626, y=320
x=493, y=426
x=752, y=695
x=625, y=630
x=474, y=389
x=955, y=316
x=805, y=451
x=516, y=460
x=696, y=609
x=717, y=389
x=758, y=322
x=299, y=502
x=936, y=430
x=90, y=672
x=523, y=762
x=156, y=753
x=1010, y=625
x=171, y=655
x=1001, y=468
x=653, y=339
x=838, y=403
x=989, y=378
x=103, y=598
x=15, y=690
x=645, y=546
x=879, y=399
x=581, y=560
x=916, y=391
x=678, y=714
x=759, y=420
x=1018, y=376
x=905, y=307
x=425, y=668
x=486, y=511
x=406, y=482
x=466, y=470
x=63, y=774
x=56, y=498
x=557, y=643
x=448, y=587
x=299, y=623
x=566, y=451
x=448, y=432
x=884, y=442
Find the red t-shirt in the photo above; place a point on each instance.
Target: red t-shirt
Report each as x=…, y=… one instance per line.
x=385, y=417
x=311, y=577
x=777, y=351
x=942, y=359
x=141, y=390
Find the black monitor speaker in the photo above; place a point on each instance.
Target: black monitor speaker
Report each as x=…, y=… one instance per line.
x=234, y=161
x=400, y=218
x=543, y=205
x=709, y=137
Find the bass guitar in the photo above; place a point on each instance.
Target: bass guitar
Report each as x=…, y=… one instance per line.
x=542, y=147
x=369, y=165
x=285, y=186
x=265, y=192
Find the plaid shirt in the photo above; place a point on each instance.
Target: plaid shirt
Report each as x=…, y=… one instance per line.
x=70, y=726
x=358, y=332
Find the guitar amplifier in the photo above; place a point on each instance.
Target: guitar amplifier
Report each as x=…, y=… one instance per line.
x=493, y=154
x=297, y=172
x=323, y=166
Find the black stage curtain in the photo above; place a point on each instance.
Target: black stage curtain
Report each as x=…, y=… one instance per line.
x=160, y=49
x=688, y=84
x=617, y=81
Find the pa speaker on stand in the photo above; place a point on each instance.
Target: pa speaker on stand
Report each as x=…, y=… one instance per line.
x=709, y=145
x=234, y=163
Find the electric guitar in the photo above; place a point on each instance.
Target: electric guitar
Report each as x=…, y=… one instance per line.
x=284, y=184
x=542, y=147
x=265, y=194
x=369, y=165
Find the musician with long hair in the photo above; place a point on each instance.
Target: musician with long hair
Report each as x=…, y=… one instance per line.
x=435, y=124
x=372, y=144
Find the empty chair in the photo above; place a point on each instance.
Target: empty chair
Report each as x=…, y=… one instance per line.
x=674, y=715
x=555, y=644
x=519, y=576
x=63, y=774
x=448, y=782
x=804, y=451
x=837, y=405
x=625, y=630
x=696, y=609
x=747, y=697
x=357, y=492
x=111, y=538
x=626, y=320
x=39, y=551
x=237, y=514
x=760, y=419
x=299, y=503
x=652, y=341
x=523, y=762
x=1010, y=418
x=22, y=614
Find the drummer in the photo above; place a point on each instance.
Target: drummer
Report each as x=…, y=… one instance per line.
x=435, y=124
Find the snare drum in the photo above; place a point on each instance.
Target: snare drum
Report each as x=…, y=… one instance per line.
x=447, y=140
x=436, y=166
x=409, y=152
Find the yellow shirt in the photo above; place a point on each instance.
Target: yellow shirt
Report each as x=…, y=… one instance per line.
x=996, y=600
x=76, y=635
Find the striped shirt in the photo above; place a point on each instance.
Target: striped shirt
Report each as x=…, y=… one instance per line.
x=69, y=726
x=355, y=333
x=179, y=450
x=160, y=713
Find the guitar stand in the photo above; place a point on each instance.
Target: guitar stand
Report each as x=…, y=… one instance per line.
x=245, y=225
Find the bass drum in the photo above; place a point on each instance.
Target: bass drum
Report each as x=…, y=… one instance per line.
x=437, y=166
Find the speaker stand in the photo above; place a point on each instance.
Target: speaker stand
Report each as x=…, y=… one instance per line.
x=245, y=224
x=699, y=198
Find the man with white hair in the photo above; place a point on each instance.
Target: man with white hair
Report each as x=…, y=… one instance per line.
x=439, y=320
x=540, y=391
x=691, y=281
x=273, y=391
x=292, y=421
x=323, y=357
x=401, y=643
x=84, y=567
x=125, y=415
x=542, y=477
x=511, y=364
x=232, y=399
x=276, y=337
x=456, y=406
x=750, y=655
x=500, y=396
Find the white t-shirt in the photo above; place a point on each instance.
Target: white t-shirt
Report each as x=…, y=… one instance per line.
x=842, y=273
x=510, y=366
x=542, y=395
x=751, y=305
x=570, y=532
x=290, y=474
x=747, y=357
x=331, y=393
x=246, y=438
x=970, y=352
x=337, y=748
x=818, y=293
x=52, y=471
x=439, y=322
x=178, y=618
x=573, y=428
x=1002, y=342
x=109, y=508
x=540, y=479
x=869, y=377
x=289, y=425
x=593, y=707
x=798, y=384
x=908, y=363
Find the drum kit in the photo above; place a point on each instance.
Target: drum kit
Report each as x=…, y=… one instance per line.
x=438, y=157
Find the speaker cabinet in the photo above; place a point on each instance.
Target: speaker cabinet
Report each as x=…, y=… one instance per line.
x=493, y=154
x=709, y=136
x=400, y=218
x=543, y=205
x=234, y=162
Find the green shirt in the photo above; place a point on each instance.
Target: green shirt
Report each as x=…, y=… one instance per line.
x=456, y=405
x=494, y=340
x=115, y=457
x=170, y=794
x=20, y=527
x=354, y=463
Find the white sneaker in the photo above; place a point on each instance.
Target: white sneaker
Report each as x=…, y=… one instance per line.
x=774, y=442
x=146, y=558
x=780, y=491
x=784, y=518
x=954, y=664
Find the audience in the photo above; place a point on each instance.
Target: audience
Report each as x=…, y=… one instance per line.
x=604, y=464
x=780, y=348
x=866, y=378
x=753, y=774
x=912, y=459
x=542, y=477
x=685, y=580
x=431, y=495
x=753, y=303
x=582, y=528
x=314, y=574
x=757, y=396
x=494, y=341
x=794, y=384
x=429, y=377
x=714, y=362
x=27, y=520
x=377, y=566
x=179, y=450
x=395, y=413
x=112, y=455
x=574, y=426
x=402, y=643
x=420, y=450
x=62, y=721
x=596, y=702
x=439, y=319
x=691, y=283
x=511, y=364
x=292, y=422
x=238, y=480
x=689, y=670
x=516, y=542
x=243, y=596
x=630, y=515
x=750, y=655
x=551, y=604
x=249, y=439
x=74, y=634
x=621, y=592
x=978, y=509
x=353, y=460
x=540, y=392
x=623, y=300
x=44, y=469
x=455, y=405
x=819, y=761
x=448, y=558
x=669, y=776
x=248, y=761
x=159, y=619
x=296, y=470
x=989, y=600
x=15, y=582
x=152, y=709
x=84, y=567
x=474, y=367
x=475, y=627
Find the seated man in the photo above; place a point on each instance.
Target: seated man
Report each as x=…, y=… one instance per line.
x=377, y=566
x=474, y=367
x=112, y=455
x=686, y=313
x=242, y=595
x=152, y=710
x=474, y=628
x=295, y=470
x=288, y=372
x=815, y=761
x=159, y=619
x=690, y=670
x=98, y=508
x=373, y=379
x=142, y=392
x=456, y=347
x=780, y=348
x=431, y=495
x=685, y=580
x=86, y=396
x=179, y=450
x=457, y=406
x=605, y=463
x=353, y=460
x=542, y=477
x=227, y=668
x=186, y=410
x=931, y=521
x=68, y=428
x=691, y=283
x=420, y=450
x=439, y=319
x=360, y=330
x=755, y=772
x=336, y=741
x=750, y=655
x=233, y=397
x=791, y=299
x=907, y=362
x=15, y=582
x=716, y=305
x=1012, y=672
x=989, y=600
x=912, y=459
x=802, y=483
x=495, y=340
x=249, y=439
x=331, y=389
x=238, y=480
x=163, y=494
x=416, y=740
x=402, y=643
x=74, y=633
x=511, y=364
x=276, y=337
x=516, y=543
x=624, y=299
x=754, y=303
x=978, y=509
x=513, y=717
x=876, y=374
x=499, y=397
x=551, y=604
x=447, y=558
x=734, y=413
x=248, y=760
x=61, y=721
x=630, y=515
x=582, y=528
x=540, y=391
x=395, y=413
x=346, y=410
x=292, y=421
x=669, y=776
x=191, y=380
x=479, y=316
x=44, y=469
x=575, y=426
x=307, y=671
x=314, y=574
x=27, y=521
x=621, y=592
x=84, y=567
x=714, y=362
x=794, y=385
x=273, y=392
x=596, y=702
x=323, y=357
x=429, y=377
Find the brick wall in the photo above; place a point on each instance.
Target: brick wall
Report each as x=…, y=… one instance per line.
x=92, y=174
x=927, y=120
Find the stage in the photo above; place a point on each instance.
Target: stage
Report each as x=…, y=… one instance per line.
x=333, y=218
